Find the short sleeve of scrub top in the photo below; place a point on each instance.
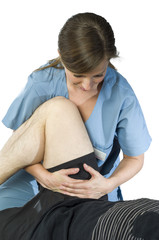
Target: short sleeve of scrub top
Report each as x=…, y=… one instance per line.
x=132, y=131
x=41, y=86
x=127, y=121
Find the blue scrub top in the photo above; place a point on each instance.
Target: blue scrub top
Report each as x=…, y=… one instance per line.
x=117, y=113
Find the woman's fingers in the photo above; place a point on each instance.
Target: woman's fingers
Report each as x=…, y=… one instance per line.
x=95, y=187
x=79, y=188
x=69, y=171
x=91, y=170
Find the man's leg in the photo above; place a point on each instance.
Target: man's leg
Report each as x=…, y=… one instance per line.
x=66, y=137
x=55, y=133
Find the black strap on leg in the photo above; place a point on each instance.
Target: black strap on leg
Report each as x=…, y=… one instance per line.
x=109, y=163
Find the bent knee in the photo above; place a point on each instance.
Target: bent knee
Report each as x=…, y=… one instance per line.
x=56, y=104
x=56, y=100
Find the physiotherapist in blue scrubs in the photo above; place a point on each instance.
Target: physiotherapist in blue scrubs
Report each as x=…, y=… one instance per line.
x=108, y=105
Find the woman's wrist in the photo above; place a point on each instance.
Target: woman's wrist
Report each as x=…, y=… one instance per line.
x=109, y=185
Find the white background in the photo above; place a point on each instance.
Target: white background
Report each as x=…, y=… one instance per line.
x=29, y=31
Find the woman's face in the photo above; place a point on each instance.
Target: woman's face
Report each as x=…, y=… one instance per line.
x=87, y=82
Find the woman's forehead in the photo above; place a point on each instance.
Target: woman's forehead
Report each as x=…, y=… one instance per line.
x=101, y=68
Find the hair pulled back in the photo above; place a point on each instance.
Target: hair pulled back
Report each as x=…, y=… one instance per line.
x=83, y=42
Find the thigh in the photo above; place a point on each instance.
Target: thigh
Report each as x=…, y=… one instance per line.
x=17, y=190
x=66, y=137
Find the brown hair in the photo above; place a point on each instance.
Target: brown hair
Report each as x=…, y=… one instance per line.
x=83, y=42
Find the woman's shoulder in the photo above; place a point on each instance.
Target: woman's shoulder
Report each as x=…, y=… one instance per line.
x=46, y=75
x=117, y=83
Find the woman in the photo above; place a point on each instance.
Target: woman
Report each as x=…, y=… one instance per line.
x=108, y=106
x=55, y=215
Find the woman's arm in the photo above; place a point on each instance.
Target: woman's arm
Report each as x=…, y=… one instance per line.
x=127, y=168
x=41, y=174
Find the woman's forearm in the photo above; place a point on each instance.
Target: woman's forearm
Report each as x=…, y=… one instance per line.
x=127, y=169
x=39, y=173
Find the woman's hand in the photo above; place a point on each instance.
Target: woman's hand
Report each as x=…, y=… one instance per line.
x=54, y=181
x=51, y=181
x=95, y=188
x=98, y=185
x=60, y=181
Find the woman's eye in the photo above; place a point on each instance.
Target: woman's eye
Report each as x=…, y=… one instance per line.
x=98, y=76
x=75, y=83
x=78, y=76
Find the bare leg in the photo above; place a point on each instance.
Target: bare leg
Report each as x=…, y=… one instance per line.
x=66, y=135
x=55, y=133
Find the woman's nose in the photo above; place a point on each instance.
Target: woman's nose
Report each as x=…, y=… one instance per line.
x=87, y=84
